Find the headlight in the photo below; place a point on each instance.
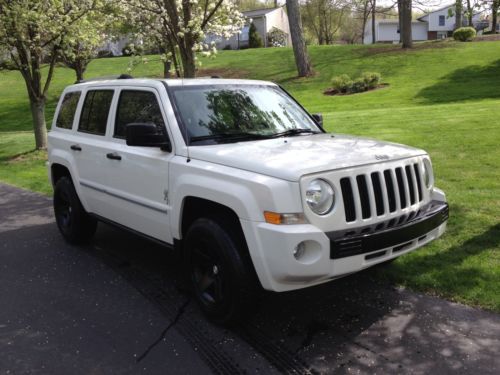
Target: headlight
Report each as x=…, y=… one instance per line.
x=320, y=196
x=428, y=176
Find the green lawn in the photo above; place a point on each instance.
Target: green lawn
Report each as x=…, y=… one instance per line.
x=443, y=97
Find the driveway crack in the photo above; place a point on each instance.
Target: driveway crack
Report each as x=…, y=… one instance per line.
x=180, y=312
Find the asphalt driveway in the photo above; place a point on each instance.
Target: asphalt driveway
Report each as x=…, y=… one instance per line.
x=117, y=306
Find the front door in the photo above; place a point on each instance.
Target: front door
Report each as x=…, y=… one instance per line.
x=138, y=176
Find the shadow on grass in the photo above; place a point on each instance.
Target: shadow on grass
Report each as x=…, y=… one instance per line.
x=470, y=83
x=450, y=272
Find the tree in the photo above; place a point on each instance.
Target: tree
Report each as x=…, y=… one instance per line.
x=458, y=14
x=406, y=18
x=299, y=46
x=254, y=39
x=181, y=25
x=324, y=18
x=82, y=42
x=362, y=8
x=374, y=13
x=470, y=13
x=33, y=33
x=495, y=5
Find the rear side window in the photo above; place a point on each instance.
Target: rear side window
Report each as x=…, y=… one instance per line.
x=137, y=107
x=95, y=111
x=67, y=110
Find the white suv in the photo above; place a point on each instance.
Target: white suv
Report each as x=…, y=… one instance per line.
x=240, y=180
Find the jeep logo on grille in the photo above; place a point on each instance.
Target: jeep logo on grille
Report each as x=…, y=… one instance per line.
x=382, y=157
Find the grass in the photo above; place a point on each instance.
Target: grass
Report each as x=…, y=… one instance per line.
x=443, y=97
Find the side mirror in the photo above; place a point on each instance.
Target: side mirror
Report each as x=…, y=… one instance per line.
x=146, y=135
x=318, y=118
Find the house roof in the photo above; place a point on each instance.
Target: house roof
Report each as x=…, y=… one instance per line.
x=391, y=21
x=443, y=8
x=258, y=12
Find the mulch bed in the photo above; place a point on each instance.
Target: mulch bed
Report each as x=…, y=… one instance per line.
x=331, y=91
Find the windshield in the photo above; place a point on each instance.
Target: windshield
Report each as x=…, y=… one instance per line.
x=230, y=113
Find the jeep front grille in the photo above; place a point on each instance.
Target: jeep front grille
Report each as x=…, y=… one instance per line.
x=381, y=192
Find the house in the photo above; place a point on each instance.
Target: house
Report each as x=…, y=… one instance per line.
x=265, y=20
x=437, y=24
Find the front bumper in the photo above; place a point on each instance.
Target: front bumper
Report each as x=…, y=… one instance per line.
x=390, y=234
x=336, y=254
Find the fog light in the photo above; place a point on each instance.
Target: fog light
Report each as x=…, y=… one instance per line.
x=299, y=250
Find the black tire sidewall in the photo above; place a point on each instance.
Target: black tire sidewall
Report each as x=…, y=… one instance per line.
x=82, y=226
x=237, y=280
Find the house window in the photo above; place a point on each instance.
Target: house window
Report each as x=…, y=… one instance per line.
x=441, y=20
x=245, y=34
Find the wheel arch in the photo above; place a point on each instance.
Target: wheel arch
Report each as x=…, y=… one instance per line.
x=60, y=167
x=195, y=207
x=57, y=171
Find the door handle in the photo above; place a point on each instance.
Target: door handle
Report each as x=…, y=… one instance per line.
x=113, y=156
x=75, y=148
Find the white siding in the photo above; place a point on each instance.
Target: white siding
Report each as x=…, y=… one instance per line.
x=260, y=25
x=388, y=32
x=419, y=30
x=449, y=22
x=279, y=19
x=433, y=19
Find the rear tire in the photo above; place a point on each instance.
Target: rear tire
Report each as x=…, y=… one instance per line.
x=73, y=221
x=222, y=279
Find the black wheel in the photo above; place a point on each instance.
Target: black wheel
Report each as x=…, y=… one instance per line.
x=73, y=222
x=223, y=281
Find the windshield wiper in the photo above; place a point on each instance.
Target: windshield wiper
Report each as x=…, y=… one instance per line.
x=293, y=132
x=228, y=137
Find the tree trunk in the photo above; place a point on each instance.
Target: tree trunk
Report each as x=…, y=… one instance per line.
x=299, y=46
x=374, y=12
x=187, y=57
x=469, y=13
x=458, y=14
x=166, y=68
x=365, y=19
x=188, y=63
x=406, y=34
x=400, y=20
x=38, y=114
x=79, y=70
x=494, y=12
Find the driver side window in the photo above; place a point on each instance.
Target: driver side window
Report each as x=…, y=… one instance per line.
x=136, y=106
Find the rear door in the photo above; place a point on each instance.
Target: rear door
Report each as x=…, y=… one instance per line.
x=90, y=145
x=137, y=177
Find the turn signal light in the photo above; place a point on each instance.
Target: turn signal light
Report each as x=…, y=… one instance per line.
x=284, y=219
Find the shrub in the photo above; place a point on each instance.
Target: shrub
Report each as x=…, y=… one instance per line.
x=132, y=49
x=104, y=53
x=277, y=37
x=371, y=79
x=358, y=85
x=342, y=83
x=345, y=85
x=254, y=39
x=464, y=34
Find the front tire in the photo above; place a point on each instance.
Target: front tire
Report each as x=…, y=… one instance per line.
x=73, y=221
x=222, y=279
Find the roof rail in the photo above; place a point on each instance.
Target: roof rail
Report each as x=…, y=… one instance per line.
x=105, y=78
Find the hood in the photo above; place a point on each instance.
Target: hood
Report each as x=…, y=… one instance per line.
x=290, y=158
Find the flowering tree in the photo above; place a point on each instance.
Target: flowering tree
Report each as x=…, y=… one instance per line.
x=179, y=27
x=83, y=40
x=33, y=33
